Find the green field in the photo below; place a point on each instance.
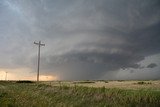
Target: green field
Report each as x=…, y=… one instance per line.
x=80, y=94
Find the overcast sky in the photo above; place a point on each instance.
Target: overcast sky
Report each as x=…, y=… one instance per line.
x=85, y=39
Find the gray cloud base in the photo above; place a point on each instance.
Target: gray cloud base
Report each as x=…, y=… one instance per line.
x=84, y=39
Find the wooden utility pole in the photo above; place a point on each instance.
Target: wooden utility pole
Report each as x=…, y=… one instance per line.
x=39, y=46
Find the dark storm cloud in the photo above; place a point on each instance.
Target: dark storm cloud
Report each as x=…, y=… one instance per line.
x=152, y=65
x=84, y=39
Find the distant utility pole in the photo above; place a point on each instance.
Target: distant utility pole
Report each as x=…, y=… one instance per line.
x=6, y=76
x=39, y=45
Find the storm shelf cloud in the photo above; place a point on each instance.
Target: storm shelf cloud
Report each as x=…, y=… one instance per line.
x=85, y=39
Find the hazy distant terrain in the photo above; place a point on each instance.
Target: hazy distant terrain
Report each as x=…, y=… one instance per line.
x=80, y=94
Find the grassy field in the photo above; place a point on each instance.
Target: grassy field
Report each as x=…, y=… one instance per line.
x=80, y=94
x=121, y=84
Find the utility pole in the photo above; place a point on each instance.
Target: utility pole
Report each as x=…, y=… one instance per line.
x=39, y=45
x=6, y=76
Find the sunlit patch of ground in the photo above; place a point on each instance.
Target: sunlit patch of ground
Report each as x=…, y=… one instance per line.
x=111, y=84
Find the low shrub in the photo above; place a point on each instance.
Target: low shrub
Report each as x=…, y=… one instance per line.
x=120, y=80
x=25, y=81
x=142, y=82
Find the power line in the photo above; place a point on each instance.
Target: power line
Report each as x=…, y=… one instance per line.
x=39, y=45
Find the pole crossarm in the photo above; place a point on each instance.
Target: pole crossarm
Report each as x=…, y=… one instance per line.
x=39, y=45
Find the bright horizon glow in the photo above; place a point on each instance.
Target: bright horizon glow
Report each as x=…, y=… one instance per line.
x=23, y=74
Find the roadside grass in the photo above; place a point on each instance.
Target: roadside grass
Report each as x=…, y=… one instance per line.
x=43, y=95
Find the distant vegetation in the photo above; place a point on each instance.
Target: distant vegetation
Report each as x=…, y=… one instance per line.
x=142, y=82
x=24, y=81
x=44, y=95
x=120, y=80
x=83, y=82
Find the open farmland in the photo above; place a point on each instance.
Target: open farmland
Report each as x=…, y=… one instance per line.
x=80, y=94
x=154, y=85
